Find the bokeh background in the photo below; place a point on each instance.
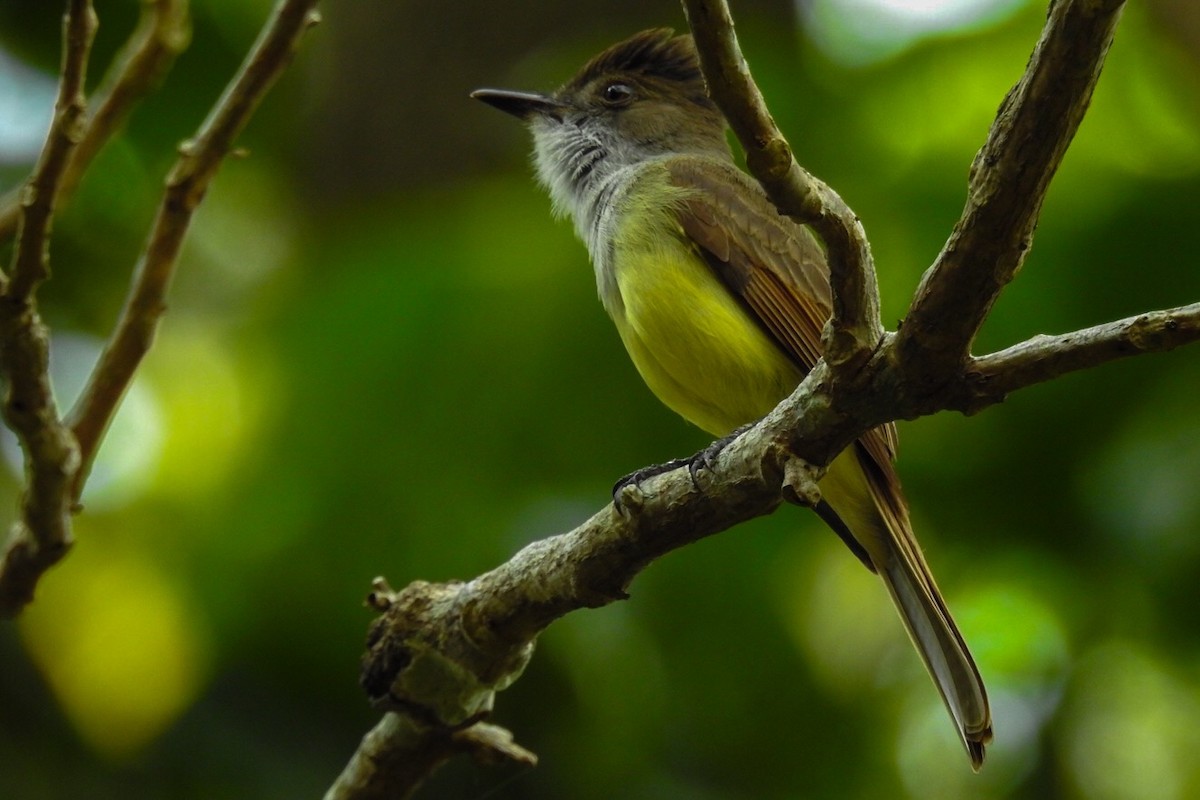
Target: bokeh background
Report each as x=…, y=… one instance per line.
x=383, y=357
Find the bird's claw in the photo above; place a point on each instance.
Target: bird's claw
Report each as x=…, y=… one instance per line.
x=634, y=480
x=700, y=461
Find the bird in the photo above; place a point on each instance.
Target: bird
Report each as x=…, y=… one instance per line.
x=720, y=301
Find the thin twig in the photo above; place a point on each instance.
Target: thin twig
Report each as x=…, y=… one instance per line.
x=186, y=185
x=36, y=207
x=41, y=534
x=855, y=329
x=162, y=33
x=990, y=378
x=59, y=456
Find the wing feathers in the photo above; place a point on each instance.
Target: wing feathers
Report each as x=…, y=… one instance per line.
x=779, y=273
x=774, y=266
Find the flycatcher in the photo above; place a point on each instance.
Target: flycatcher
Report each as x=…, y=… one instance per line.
x=720, y=300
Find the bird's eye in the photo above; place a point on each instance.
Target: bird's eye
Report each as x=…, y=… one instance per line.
x=617, y=94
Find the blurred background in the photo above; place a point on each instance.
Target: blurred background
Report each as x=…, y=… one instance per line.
x=383, y=357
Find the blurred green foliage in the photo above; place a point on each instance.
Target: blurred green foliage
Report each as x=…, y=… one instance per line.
x=383, y=357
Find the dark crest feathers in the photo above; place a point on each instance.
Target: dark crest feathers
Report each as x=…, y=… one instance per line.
x=654, y=53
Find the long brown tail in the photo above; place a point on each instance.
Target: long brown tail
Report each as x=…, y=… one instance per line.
x=866, y=499
x=939, y=642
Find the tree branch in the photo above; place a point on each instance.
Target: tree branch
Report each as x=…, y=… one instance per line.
x=58, y=456
x=36, y=207
x=162, y=33
x=855, y=329
x=397, y=754
x=990, y=378
x=1008, y=181
x=186, y=185
x=439, y=652
x=41, y=535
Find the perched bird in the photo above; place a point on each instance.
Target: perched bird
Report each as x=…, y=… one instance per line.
x=720, y=300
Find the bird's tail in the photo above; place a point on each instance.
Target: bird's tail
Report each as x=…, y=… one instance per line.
x=886, y=536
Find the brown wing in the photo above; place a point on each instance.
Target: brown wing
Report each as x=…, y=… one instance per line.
x=773, y=264
x=780, y=274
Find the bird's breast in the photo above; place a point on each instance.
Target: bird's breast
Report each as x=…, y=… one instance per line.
x=693, y=342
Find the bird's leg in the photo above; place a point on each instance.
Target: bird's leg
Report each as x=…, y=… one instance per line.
x=701, y=460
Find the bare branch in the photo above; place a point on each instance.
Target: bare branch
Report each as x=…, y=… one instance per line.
x=36, y=208
x=439, y=652
x=58, y=455
x=855, y=329
x=1009, y=179
x=398, y=754
x=185, y=187
x=990, y=378
x=392, y=761
x=42, y=533
x=162, y=33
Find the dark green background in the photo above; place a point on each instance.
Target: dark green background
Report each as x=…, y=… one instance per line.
x=383, y=357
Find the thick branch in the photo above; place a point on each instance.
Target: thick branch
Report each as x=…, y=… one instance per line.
x=497, y=615
x=42, y=533
x=855, y=329
x=186, y=185
x=398, y=753
x=162, y=33
x=439, y=652
x=1009, y=179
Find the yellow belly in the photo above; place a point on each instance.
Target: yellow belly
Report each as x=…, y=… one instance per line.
x=695, y=346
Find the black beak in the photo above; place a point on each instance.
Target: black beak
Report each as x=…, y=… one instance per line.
x=522, y=105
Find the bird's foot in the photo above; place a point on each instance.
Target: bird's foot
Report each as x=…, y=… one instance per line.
x=630, y=485
x=627, y=491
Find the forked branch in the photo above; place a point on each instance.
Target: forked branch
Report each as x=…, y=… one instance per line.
x=58, y=454
x=1008, y=182
x=187, y=182
x=162, y=33
x=855, y=330
x=41, y=535
x=475, y=637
